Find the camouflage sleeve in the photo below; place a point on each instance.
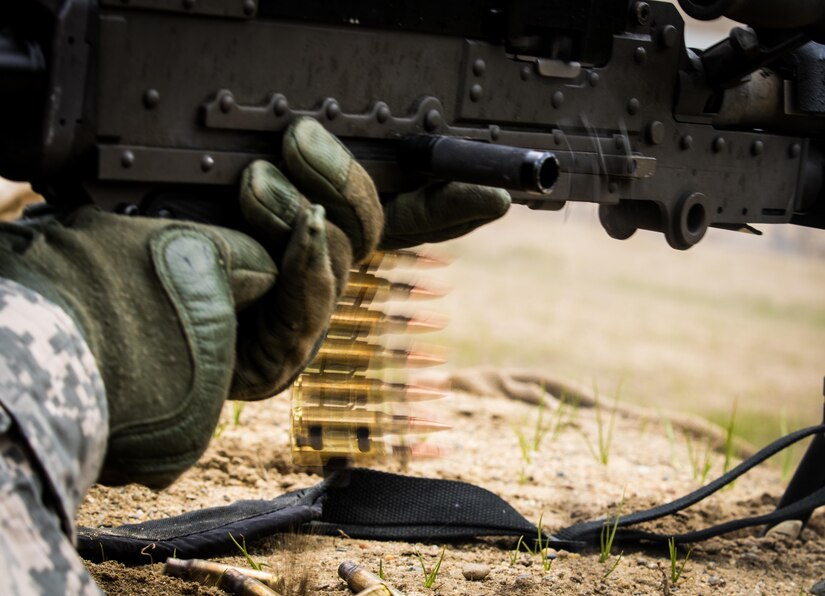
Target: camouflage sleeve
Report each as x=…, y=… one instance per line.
x=53, y=428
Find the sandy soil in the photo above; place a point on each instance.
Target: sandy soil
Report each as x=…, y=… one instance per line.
x=562, y=482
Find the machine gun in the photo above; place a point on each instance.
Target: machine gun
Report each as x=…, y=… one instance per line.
x=155, y=106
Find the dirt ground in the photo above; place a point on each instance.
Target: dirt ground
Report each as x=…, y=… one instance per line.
x=649, y=462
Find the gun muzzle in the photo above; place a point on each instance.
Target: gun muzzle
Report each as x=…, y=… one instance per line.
x=476, y=162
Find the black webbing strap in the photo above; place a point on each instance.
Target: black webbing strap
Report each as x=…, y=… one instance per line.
x=372, y=505
x=376, y=505
x=381, y=506
x=202, y=533
x=589, y=532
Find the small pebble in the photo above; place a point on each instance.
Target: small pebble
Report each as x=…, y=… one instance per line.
x=790, y=528
x=715, y=580
x=750, y=559
x=524, y=580
x=641, y=562
x=818, y=589
x=475, y=572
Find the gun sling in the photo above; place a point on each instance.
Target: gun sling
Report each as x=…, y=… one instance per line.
x=381, y=506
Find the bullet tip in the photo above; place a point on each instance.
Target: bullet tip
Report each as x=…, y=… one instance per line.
x=416, y=292
x=425, y=425
x=423, y=393
x=426, y=322
x=421, y=359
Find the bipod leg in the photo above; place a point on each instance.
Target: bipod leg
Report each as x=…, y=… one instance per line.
x=809, y=475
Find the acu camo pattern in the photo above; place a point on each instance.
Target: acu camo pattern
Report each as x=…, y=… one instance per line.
x=53, y=428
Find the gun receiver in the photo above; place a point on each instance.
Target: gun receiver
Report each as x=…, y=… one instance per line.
x=155, y=107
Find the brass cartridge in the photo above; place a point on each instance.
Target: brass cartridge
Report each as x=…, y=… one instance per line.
x=339, y=413
x=210, y=572
x=359, y=578
x=371, y=423
x=344, y=391
x=366, y=287
x=357, y=321
x=399, y=259
x=376, y=590
x=313, y=447
x=339, y=356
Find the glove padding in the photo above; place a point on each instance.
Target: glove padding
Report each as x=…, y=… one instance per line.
x=181, y=316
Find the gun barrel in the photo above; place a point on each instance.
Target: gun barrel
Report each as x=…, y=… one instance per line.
x=475, y=162
x=790, y=14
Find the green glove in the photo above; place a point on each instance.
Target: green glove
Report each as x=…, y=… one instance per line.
x=439, y=212
x=322, y=169
x=181, y=316
x=434, y=213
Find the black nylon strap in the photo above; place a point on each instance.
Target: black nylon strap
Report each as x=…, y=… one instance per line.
x=589, y=532
x=202, y=533
x=382, y=506
x=373, y=505
x=807, y=504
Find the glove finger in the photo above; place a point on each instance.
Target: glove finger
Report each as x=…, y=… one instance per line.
x=327, y=173
x=276, y=336
x=251, y=270
x=270, y=204
x=440, y=212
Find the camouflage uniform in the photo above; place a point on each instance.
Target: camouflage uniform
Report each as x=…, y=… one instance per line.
x=53, y=428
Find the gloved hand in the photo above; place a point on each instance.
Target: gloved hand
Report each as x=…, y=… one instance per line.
x=440, y=211
x=180, y=316
x=437, y=212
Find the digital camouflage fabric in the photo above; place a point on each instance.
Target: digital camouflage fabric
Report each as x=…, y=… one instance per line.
x=53, y=427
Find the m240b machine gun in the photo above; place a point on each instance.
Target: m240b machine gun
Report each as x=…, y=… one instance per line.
x=155, y=106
